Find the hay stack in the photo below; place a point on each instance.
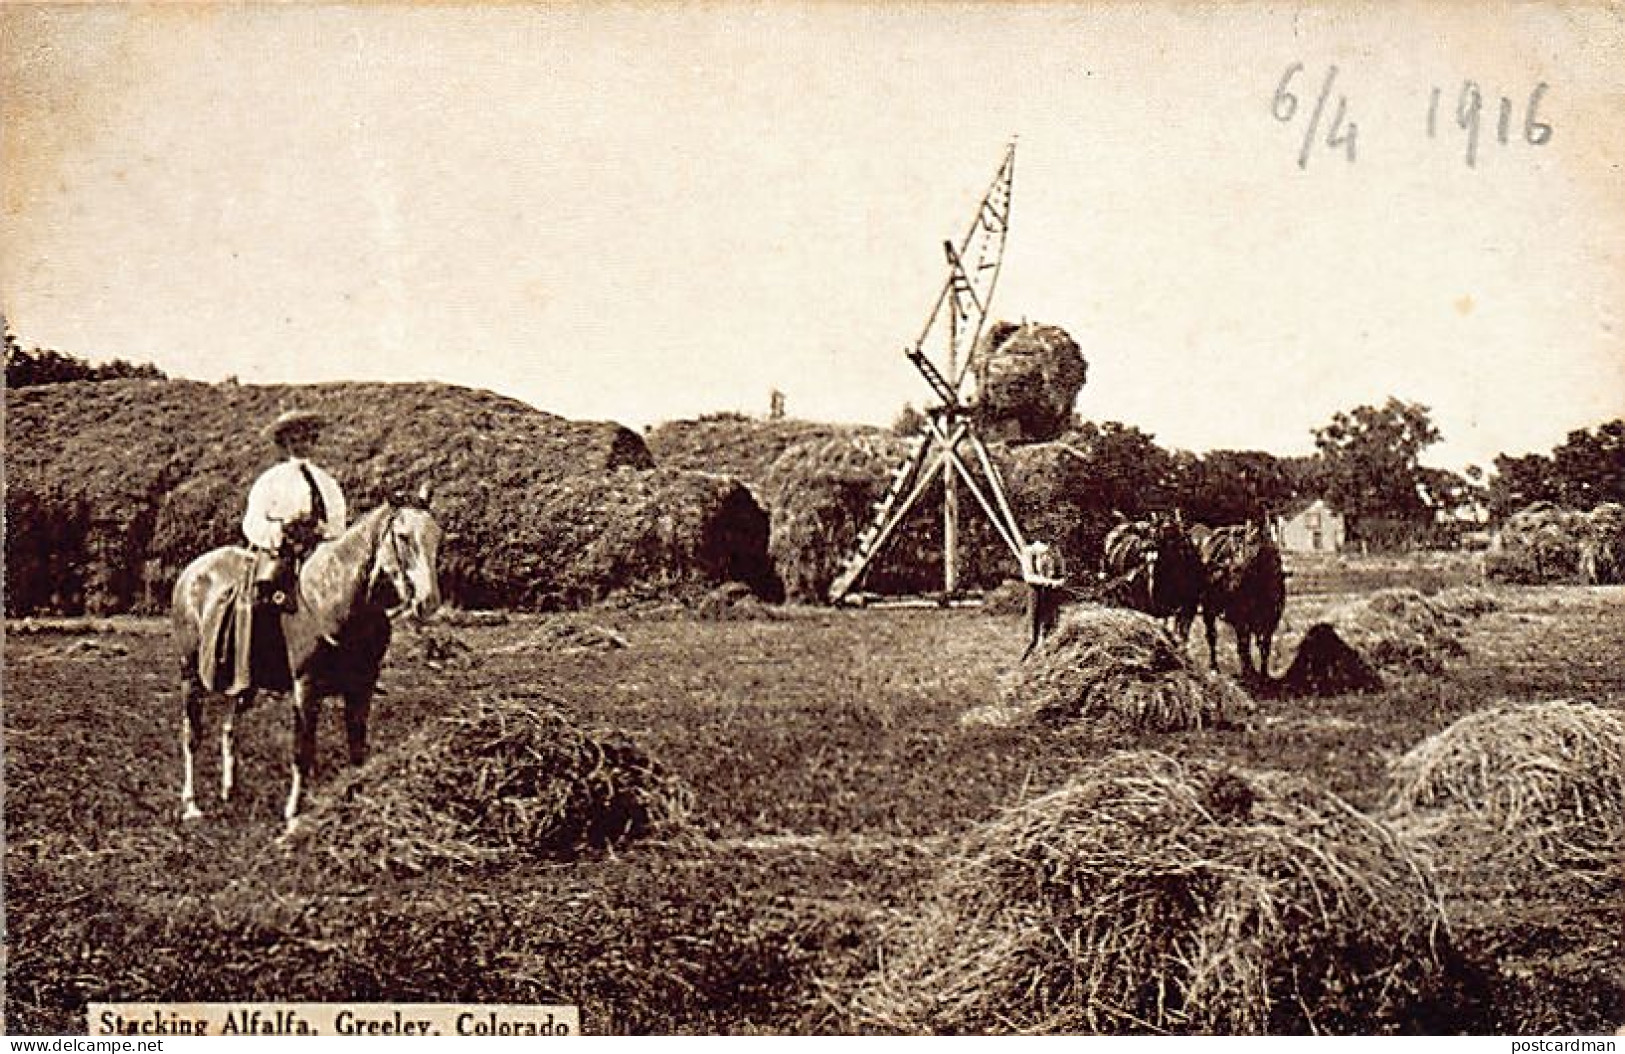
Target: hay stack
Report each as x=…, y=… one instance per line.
x=1153, y=895
x=1398, y=630
x=820, y=496
x=1027, y=380
x=737, y=445
x=1465, y=602
x=1522, y=791
x=654, y=533
x=1115, y=667
x=1325, y=665
x=502, y=777
x=1602, y=549
x=1539, y=544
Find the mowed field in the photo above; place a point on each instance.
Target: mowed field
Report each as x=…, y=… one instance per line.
x=829, y=774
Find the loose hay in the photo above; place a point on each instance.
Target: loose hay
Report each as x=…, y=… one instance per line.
x=1465, y=602
x=500, y=778
x=1399, y=630
x=1325, y=665
x=1151, y=895
x=1116, y=667
x=1525, y=792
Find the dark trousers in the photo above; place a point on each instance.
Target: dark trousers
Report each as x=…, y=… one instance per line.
x=1043, y=612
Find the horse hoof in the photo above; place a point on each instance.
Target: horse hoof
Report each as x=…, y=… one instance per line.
x=190, y=813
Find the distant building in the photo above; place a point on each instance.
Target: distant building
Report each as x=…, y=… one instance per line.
x=1313, y=528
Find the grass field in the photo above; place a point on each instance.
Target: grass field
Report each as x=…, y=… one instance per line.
x=829, y=774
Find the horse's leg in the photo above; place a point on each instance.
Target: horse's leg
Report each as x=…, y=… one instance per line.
x=357, y=705
x=1264, y=641
x=191, y=737
x=1209, y=623
x=306, y=706
x=1244, y=650
x=228, y=744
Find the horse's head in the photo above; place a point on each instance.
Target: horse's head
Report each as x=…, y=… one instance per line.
x=405, y=557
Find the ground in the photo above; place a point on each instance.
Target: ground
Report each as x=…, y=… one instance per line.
x=829, y=775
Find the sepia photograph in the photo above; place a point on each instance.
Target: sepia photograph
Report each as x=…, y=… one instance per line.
x=813, y=518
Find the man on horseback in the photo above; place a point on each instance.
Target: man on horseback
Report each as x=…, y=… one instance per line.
x=292, y=507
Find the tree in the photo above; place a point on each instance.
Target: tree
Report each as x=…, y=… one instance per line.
x=1589, y=466
x=1369, y=457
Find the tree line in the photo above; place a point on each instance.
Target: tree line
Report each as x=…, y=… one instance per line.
x=1366, y=464
x=47, y=366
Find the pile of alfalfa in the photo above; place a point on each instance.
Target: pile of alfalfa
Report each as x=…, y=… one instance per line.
x=503, y=777
x=1112, y=667
x=820, y=496
x=1398, y=630
x=1151, y=895
x=1547, y=543
x=1027, y=379
x=1602, y=550
x=1519, y=793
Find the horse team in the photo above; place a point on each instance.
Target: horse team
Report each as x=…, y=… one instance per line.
x=1233, y=573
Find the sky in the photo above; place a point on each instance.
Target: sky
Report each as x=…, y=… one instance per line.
x=645, y=212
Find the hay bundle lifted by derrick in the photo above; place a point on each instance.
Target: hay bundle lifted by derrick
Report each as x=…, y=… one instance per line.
x=1114, y=667
x=1526, y=792
x=501, y=778
x=1398, y=630
x=1153, y=895
x=1027, y=379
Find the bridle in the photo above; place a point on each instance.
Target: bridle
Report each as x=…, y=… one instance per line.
x=400, y=580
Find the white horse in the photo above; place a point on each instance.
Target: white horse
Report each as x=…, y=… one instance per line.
x=349, y=589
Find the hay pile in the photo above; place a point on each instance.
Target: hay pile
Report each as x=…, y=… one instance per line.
x=112, y=487
x=1602, y=549
x=1152, y=895
x=1526, y=792
x=820, y=496
x=502, y=777
x=1027, y=380
x=1398, y=630
x=1324, y=666
x=1539, y=544
x=1113, y=667
x=737, y=445
x=733, y=602
x=1465, y=602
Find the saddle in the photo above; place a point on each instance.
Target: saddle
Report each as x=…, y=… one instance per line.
x=243, y=646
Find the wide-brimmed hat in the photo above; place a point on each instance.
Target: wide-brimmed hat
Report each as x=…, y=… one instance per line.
x=292, y=422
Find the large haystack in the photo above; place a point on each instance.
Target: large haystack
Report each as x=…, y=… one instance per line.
x=737, y=445
x=1539, y=544
x=501, y=778
x=1398, y=630
x=1602, y=549
x=114, y=486
x=820, y=496
x=1113, y=667
x=1027, y=379
x=1153, y=895
x=1520, y=793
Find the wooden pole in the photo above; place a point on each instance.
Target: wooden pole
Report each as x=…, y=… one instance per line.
x=950, y=488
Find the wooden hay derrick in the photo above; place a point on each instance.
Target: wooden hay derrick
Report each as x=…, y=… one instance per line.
x=948, y=445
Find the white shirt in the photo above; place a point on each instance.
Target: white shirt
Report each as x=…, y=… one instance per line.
x=1042, y=565
x=281, y=495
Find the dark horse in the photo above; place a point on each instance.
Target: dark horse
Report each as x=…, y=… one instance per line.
x=349, y=589
x=1246, y=586
x=1154, y=567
